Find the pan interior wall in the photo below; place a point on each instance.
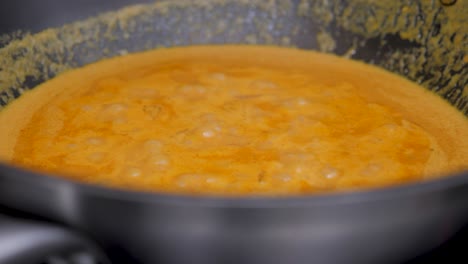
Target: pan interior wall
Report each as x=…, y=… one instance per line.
x=422, y=40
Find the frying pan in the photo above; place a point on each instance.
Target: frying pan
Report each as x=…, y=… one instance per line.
x=424, y=41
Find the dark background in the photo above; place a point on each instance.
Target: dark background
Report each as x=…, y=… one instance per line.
x=36, y=15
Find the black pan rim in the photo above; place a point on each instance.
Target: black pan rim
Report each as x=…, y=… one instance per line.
x=9, y=173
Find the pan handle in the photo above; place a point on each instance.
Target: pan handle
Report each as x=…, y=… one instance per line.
x=31, y=242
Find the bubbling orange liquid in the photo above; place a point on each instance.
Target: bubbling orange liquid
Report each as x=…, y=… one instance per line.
x=234, y=120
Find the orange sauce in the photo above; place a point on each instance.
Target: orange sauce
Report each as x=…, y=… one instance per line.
x=234, y=120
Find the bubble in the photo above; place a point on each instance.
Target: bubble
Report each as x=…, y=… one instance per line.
x=86, y=108
x=299, y=101
x=391, y=127
x=153, y=145
x=114, y=108
x=144, y=93
x=371, y=169
x=72, y=146
x=196, y=180
x=193, y=90
x=95, y=141
x=330, y=172
x=186, y=180
x=218, y=76
x=133, y=172
x=96, y=157
x=208, y=133
x=299, y=170
x=263, y=85
x=212, y=180
x=210, y=129
x=302, y=101
x=283, y=177
x=160, y=160
x=119, y=121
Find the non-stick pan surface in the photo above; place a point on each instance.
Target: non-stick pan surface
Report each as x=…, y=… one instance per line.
x=423, y=40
